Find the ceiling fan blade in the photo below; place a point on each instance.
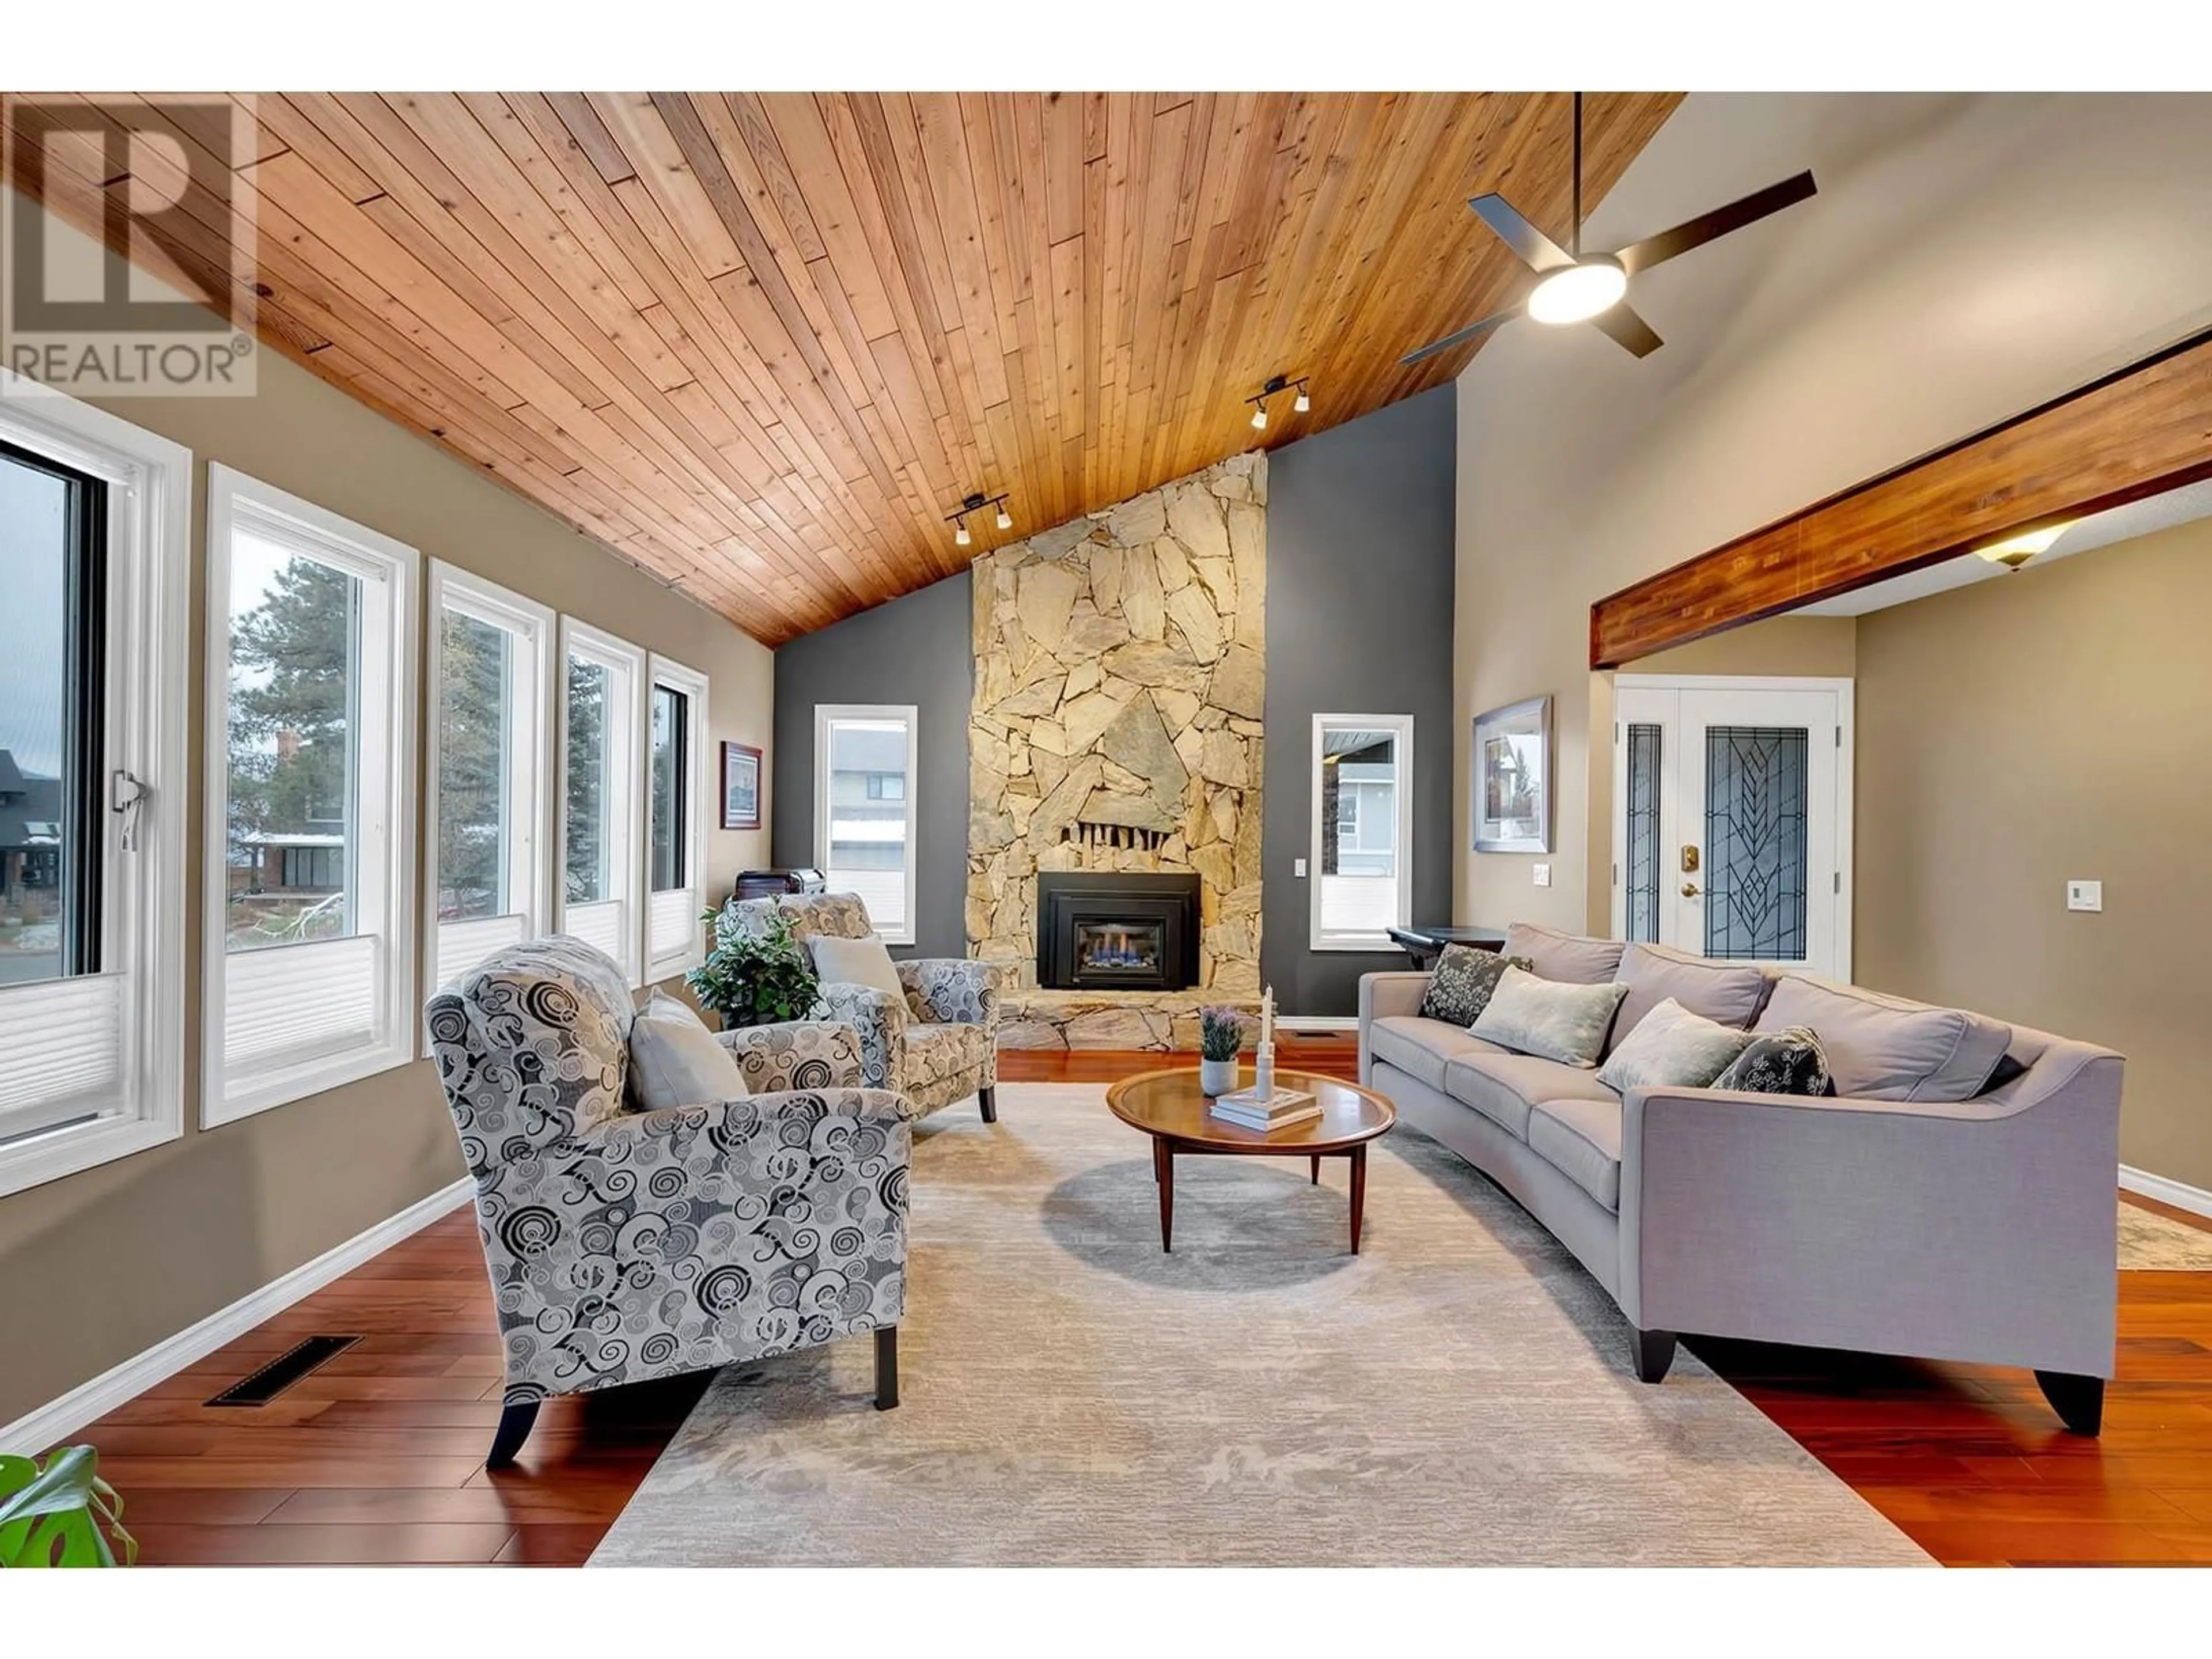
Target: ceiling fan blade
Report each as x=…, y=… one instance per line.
x=1622, y=325
x=1709, y=227
x=1461, y=336
x=1537, y=251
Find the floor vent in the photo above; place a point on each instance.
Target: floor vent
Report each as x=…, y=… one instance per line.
x=282, y=1372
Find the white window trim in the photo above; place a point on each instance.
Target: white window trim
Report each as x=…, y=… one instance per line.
x=824, y=714
x=148, y=705
x=666, y=671
x=531, y=878
x=386, y=842
x=630, y=859
x=1401, y=725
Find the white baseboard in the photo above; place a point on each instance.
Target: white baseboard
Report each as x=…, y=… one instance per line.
x=58, y=1419
x=1317, y=1023
x=2195, y=1200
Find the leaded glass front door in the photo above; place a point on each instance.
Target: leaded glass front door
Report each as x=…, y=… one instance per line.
x=1729, y=831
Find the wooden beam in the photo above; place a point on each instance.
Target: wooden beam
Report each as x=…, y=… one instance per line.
x=2138, y=432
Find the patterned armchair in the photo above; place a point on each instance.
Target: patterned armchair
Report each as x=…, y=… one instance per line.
x=628, y=1245
x=936, y=1045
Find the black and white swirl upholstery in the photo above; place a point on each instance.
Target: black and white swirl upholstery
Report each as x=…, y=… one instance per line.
x=627, y=1245
x=938, y=1045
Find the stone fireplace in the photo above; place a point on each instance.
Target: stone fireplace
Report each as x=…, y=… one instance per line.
x=1115, y=730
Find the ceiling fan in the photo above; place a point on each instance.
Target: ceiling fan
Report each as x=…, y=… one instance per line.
x=1574, y=287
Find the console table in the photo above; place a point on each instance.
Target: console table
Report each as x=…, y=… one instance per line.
x=1424, y=944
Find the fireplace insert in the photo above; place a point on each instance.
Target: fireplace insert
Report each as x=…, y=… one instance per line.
x=1116, y=931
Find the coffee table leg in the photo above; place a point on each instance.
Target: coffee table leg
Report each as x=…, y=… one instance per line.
x=1167, y=1195
x=1358, y=1193
x=1316, y=1168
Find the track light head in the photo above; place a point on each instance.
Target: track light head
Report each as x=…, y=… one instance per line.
x=1259, y=418
x=1005, y=519
x=1302, y=402
x=960, y=537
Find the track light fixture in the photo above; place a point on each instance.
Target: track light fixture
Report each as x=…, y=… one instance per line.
x=1276, y=383
x=976, y=503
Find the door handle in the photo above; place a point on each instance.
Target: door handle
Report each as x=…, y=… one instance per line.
x=1689, y=890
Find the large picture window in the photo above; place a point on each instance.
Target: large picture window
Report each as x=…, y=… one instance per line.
x=602, y=808
x=863, y=809
x=677, y=793
x=310, y=903
x=491, y=729
x=1362, y=830
x=94, y=564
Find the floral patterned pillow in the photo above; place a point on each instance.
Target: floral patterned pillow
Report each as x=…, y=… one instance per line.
x=1460, y=984
x=1790, y=1061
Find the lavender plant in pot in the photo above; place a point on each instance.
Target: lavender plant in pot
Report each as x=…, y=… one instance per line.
x=1220, y=1035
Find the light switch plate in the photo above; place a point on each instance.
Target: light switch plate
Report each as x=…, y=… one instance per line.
x=1543, y=873
x=2085, y=895
x=1298, y=867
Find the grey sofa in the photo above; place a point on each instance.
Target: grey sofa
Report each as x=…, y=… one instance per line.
x=1980, y=1229
x=624, y=1245
x=938, y=1044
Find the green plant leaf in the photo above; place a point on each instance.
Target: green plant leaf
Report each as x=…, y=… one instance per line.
x=53, y=1516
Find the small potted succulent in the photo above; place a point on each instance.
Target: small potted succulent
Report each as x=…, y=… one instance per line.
x=1220, y=1035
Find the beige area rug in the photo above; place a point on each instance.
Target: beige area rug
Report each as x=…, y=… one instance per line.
x=1457, y=1394
x=2151, y=1242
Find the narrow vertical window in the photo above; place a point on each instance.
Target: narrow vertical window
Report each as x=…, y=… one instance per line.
x=864, y=810
x=1362, y=866
x=602, y=804
x=677, y=796
x=311, y=893
x=492, y=722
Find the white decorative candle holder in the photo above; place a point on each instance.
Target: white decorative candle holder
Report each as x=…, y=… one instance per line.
x=1263, y=1071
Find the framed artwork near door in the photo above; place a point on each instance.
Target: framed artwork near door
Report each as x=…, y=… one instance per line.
x=1512, y=774
x=741, y=780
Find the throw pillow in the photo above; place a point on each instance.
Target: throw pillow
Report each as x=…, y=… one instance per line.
x=1790, y=1061
x=1549, y=1018
x=674, y=1059
x=1569, y=957
x=865, y=961
x=1674, y=1048
x=1463, y=980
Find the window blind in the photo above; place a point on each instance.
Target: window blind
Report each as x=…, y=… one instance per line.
x=601, y=925
x=293, y=1001
x=61, y=1052
x=462, y=945
x=672, y=922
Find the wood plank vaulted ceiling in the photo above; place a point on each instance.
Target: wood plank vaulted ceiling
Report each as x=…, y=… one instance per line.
x=762, y=345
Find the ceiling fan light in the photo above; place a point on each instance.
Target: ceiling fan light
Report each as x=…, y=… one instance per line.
x=1576, y=293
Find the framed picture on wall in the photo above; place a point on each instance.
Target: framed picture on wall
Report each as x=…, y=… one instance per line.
x=741, y=781
x=1512, y=773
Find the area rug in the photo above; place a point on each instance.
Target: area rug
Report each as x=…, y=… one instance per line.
x=2151, y=1242
x=1456, y=1394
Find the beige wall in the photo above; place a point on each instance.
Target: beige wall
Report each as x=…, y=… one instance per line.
x=1825, y=646
x=2022, y=731
x=1848, y=335
x=96, y=1267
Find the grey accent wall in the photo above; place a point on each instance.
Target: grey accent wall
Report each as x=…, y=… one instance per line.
x=916, y=649
x=1360, y=621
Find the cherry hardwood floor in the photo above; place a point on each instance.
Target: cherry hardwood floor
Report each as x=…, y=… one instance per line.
x=378, y=1456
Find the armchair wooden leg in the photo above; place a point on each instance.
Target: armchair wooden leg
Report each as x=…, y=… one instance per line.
x=513, y=1429
x=886, y=1367
x=989, y=1100
x=1655, y=1353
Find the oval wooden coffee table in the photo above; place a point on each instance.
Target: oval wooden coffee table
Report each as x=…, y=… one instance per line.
x=1171, y=1107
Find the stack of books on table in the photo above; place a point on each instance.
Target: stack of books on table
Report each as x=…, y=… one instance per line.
x=1247, y=1109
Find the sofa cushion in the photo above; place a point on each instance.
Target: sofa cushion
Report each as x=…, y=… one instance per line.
x=1785, y=1062
x=674, y=1059
x=1555, y=1019
x=1884, y=1047
x=1504, y=1087
x=1569, y=957
x=1419, y=1046
x=1460, y=983
x=1727, y=993
x=1673, y=1047
x=1580, y=1139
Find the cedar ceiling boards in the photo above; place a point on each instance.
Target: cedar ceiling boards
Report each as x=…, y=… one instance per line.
x=761, y=345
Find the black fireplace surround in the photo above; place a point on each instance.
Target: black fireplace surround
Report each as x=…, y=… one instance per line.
x=1116, y=930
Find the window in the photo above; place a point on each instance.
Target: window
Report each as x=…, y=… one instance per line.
x=95, y=564
x=491, y=732
x=676, y=812
x=864, y=760
x=310, y=934
x=602, y=808
x=1362, y=830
